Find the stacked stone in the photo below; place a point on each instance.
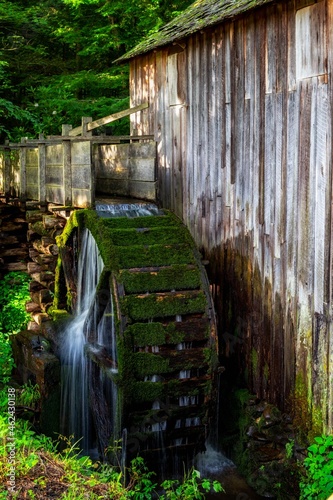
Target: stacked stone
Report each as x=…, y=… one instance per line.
x=43, y=227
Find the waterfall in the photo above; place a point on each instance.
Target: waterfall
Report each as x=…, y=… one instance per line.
x=89, y=395
x=75, y=413
x=106, y=332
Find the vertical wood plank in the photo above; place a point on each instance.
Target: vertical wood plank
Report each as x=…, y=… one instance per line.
x=6, y=164
x=320, y=187
x=277, y=188
x=67, y=169
x=41, y=172
x=23, y=171
x=270, y=52
x=269, y=171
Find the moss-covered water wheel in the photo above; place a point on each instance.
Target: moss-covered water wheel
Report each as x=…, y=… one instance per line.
x=165, y=329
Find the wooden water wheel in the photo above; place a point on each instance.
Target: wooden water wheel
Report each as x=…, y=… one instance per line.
x=165, y=332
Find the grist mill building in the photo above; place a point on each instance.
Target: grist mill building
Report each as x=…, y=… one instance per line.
x=240, y=105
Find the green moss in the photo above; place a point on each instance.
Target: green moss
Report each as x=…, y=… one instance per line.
x=147, y=391
x=154, y=305
x=147, y=236
x=178, y=277
x=150, y=221
x=39, y=228
x=211, y=357
x=154, y=255
x=75, y=220
x=307, y=416
x=58, y=314
x=148, y=334
x=59, y=286
x=145, y=363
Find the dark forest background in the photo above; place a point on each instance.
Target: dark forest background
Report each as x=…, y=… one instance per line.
x=57, y=60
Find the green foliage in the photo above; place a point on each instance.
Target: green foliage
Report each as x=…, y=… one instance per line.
x=79, y=476
x=192, y=487
x=290, y=446
x=28, y=395
x=6, y=358
x=13, y=317
x=147, y=391
x=14, y=292
x=318, y=482
x=56, y=60
x=140, y=486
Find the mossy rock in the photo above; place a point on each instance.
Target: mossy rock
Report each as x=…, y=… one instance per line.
x=59, y=314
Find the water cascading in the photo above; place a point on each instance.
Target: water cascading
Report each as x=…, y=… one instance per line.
x=75, y=412
x=127, y=210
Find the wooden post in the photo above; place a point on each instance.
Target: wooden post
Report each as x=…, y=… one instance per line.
x=23, y=169
x=67, y=168
x=85, y=130
x=65, y=129
x=92, y=179
x=41, y=172
x=67, y=160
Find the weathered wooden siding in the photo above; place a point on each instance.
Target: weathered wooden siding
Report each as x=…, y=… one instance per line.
x=244, y=157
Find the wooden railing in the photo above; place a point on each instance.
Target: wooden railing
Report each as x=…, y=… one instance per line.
x=68, y=169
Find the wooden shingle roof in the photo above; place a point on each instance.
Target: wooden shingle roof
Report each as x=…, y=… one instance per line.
x=200, y=15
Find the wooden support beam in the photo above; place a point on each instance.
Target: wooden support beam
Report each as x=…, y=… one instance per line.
x=108, y=119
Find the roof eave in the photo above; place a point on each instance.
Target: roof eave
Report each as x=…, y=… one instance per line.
x=156, y=40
